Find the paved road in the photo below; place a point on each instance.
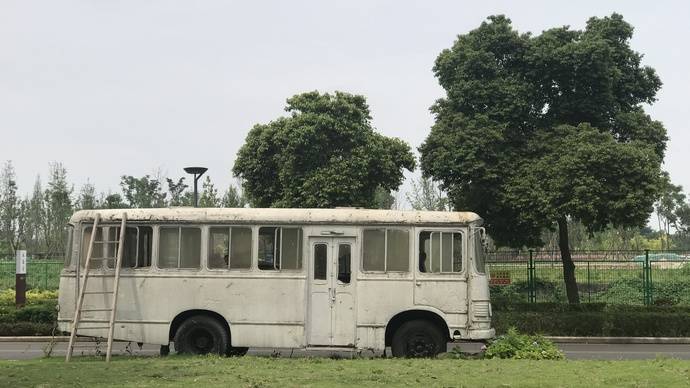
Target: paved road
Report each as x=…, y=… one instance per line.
x=29, y=350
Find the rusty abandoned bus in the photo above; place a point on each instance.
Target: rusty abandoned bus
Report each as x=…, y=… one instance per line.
x=224, y=280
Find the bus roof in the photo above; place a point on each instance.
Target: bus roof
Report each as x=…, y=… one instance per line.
x=279, y=216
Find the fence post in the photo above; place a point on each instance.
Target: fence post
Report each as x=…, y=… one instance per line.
x=531, y=284
x=589, y=284
x=647, y=279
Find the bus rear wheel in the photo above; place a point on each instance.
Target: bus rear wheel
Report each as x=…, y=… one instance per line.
x=417, y=339
x=202, y=334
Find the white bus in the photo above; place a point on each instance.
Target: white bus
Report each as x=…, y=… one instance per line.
x=223, y=280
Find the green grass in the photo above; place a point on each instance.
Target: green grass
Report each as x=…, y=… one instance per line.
x=283, y=372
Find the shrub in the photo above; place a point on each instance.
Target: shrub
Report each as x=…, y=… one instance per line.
x=521, y=346
x=7, y=296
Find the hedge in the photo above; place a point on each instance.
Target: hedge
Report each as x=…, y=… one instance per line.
x=596, y=319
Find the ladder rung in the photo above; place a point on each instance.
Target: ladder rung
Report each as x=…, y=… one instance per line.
x=97, y=292
x=93, y=327
x=89, y=310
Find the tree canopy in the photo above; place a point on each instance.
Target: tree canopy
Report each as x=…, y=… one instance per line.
x=325, y=154
x=538, y=130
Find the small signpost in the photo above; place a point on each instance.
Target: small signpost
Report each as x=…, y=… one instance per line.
x=20, y=279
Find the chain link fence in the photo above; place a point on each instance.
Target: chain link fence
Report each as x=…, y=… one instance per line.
x=42, y=274
x=611, y=276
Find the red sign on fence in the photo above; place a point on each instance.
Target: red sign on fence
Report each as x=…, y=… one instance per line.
x=499, y=278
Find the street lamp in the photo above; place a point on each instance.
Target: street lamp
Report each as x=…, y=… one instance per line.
x=197, y=172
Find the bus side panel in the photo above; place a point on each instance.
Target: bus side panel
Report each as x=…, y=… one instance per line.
x=386, y=297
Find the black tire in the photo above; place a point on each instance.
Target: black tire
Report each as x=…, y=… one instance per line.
x=237, y=352
x=202, y=334
x=417, y=339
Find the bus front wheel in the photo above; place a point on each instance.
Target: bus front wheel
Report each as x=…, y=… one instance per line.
x=417, y=339
x=202, y=334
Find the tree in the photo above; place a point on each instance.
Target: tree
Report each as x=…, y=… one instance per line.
x=87, y=197
x=427, y=195
x=234, y=197
x=35, y=219
x=176, y=191
x=144, y=192
x=209, y=194
x=10, y=208
x=383, y=199
x=325, y=154
x=667, y=208
x=537, y=131
x=113, y=201
x=58, y=209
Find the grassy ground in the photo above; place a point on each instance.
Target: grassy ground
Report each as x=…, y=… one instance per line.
x=283, y=372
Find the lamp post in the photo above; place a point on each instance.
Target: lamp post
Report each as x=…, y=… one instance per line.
x=197, y=172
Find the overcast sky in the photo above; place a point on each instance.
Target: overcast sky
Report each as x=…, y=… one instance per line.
x=134, y=87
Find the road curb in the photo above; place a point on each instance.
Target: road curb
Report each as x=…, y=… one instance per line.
x=621, y=340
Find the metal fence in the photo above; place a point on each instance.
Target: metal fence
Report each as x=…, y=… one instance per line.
x=614, y=277
x=43, y=274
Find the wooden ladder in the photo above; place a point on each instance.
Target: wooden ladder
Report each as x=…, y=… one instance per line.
x=83, y=289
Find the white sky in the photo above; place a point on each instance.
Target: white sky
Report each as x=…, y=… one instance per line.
x=132, y=87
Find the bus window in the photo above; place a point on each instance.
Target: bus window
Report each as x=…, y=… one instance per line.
x=280, y=248
x=344, y=262
x=320, y=261
x=97, y=250
x=440, y=252
x=230, y=248
x=386, y=250
x=179, y=247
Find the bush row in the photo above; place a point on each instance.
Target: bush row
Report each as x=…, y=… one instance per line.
x=607, y=322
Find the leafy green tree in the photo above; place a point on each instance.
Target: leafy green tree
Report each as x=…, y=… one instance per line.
x=536, y=131
x=10, y=209
x=667, y=207
x=325, y=154
x=177, y=192
x=427, y=195
x=113, y=201
x=234, y=197
x=34, y=235
x=87, y=197
x=209, y=194
x=58, y=209
x=144, y=192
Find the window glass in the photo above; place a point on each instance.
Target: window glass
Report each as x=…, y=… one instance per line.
x=291, y=248
x=374, y=249
x=440, y=252
x=219, y=248
x=479, y=254
x=241, y=248
x=190, y=248
x=280, y=248
x=457, y=252
x=267, y=248
x=344, y=262
x=168, y=247
x=398, y=252
x=145, y=245
x=97, y=247
x=320, y=261
x=68, y=245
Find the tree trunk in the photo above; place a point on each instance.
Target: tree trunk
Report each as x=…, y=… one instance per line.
x=568, y=265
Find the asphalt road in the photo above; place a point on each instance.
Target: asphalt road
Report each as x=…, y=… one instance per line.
x=29, y=350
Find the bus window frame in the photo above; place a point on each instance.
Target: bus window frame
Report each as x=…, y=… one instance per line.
x=156, y=250
x=205, y=259
x=385, y=250
x=465, y=258
x=255, y=248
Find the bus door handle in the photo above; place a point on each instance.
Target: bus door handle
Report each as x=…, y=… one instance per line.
x=332, y=292
x=417, y=283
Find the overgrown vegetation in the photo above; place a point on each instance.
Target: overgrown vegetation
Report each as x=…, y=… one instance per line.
x=522, y=347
